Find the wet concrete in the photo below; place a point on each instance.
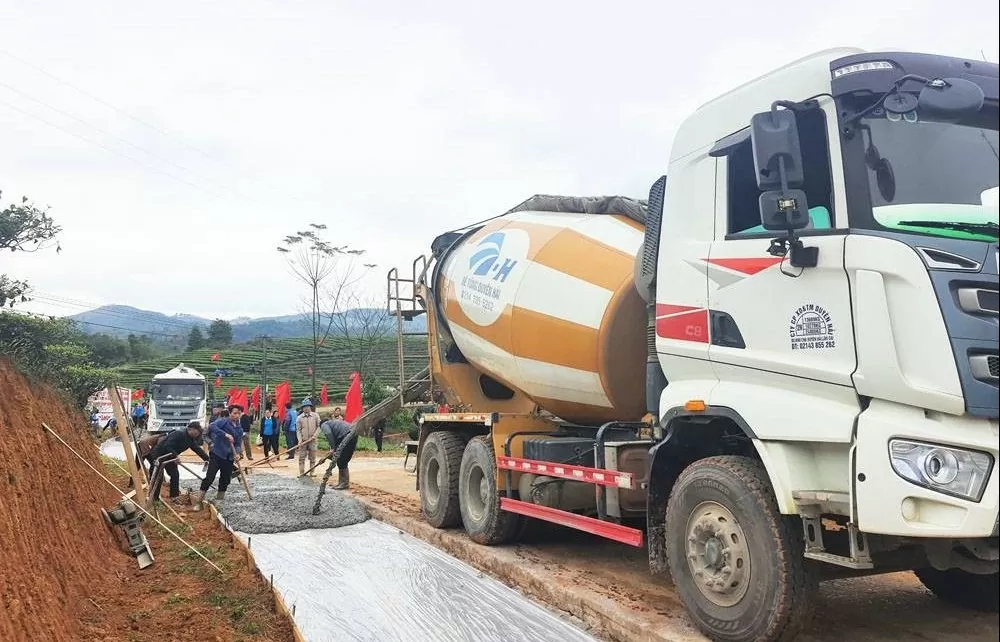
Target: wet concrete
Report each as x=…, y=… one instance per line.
x=371, y=582
x=282, y=504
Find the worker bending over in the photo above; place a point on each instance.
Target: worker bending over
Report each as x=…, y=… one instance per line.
x=168, y=449
x=307, y=428
x=342, y=442
x=223, y=434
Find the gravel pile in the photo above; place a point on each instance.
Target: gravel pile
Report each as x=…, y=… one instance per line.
x=283, y=504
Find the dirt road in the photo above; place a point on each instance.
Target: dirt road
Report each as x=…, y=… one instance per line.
x=882, y=608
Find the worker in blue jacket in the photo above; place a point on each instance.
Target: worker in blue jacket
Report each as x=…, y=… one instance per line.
x=223, y=435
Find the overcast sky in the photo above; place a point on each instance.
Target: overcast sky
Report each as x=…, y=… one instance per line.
x=209, y=130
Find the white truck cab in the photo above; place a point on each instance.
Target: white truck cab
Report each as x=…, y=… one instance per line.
x=821, y=265
x=177, y=398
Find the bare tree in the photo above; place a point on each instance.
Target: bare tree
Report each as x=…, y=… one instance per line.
x=364, y=322
x=315, y=262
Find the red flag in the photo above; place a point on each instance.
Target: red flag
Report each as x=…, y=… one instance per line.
x=255, y=397
x=218, y=382
x=242, y=400
x=353, y=401
x=216, y=356
x=282, y=395
x=324, y=397
x=137, y=394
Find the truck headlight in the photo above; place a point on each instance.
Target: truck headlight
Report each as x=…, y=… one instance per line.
x=953, y=471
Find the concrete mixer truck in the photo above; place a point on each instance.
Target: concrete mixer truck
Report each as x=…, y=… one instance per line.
x=781, y=367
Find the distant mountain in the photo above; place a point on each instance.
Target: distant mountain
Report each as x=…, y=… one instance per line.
x=123, y=320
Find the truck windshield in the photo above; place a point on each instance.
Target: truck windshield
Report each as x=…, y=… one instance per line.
x=171, y=391
x=933, y=178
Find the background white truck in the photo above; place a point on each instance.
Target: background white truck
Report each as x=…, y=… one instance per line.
x=782, y=366
x=177, y=397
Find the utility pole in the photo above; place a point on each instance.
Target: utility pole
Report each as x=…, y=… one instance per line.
x=263, y=373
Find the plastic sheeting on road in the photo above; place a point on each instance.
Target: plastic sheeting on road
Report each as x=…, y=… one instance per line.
x=370, y=583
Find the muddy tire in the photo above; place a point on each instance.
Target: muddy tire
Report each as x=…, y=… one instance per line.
x=440, y=460
x=955, y=586
x=477, y=486
x=736, y=561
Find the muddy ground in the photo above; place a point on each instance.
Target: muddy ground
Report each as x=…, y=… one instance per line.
x=64, y=578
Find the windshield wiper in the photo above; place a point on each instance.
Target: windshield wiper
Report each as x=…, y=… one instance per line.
x=991, y=229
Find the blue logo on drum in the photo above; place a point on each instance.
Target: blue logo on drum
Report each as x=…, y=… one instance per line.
x=486, y=262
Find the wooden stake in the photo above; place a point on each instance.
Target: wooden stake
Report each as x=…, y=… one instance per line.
x=137, y=473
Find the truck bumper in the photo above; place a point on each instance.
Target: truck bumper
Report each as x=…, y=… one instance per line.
x=888, y=504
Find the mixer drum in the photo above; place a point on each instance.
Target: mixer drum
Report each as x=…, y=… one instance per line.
x=545, y=302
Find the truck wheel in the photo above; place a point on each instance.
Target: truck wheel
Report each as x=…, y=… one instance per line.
x=440, y=460
x=477, y=486
x=958, y=587
x=737, y=563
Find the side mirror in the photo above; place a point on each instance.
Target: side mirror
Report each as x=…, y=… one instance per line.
x=777, y=157
x=950, y=99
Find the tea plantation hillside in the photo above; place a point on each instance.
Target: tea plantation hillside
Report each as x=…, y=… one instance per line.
x=287, y=359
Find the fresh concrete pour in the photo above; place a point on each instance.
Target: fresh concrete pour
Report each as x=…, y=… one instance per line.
x=283, y=505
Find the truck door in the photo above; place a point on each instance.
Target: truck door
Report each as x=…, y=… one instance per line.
x=782, y=338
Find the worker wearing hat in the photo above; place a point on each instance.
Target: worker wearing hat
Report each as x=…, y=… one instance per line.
x=308, y=429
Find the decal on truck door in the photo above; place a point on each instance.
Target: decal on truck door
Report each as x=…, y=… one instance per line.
x=811, y=328
x=726, y=272
x=681, y=322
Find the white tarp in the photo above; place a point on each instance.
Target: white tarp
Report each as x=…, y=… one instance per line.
x=370, y=583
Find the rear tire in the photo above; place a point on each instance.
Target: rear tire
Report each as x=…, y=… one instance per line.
x=440, y=461
x=737, y=563
x=477, y=486
x=958, y=587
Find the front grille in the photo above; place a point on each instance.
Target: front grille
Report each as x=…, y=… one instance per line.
x=993, y=362
x=177, y=415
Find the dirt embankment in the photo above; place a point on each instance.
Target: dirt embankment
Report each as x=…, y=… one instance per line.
x=54, y=546
x=62, y=576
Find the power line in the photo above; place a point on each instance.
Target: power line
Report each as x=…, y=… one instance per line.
x=107, y=104
x=109, y=149
x=104, y=131
x=97, y=309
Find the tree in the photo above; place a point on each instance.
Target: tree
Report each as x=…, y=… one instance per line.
x=108, y=351
x=365, y=324
x=196, y=340
x=141, y=348
x=220, y=334
x=316, y=262
x=24, y=228
x=52, y=350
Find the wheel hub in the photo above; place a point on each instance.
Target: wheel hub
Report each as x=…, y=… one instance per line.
x=717, y=554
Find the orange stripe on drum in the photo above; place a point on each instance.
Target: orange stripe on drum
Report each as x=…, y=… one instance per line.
x=572, y=253
x=539, y=336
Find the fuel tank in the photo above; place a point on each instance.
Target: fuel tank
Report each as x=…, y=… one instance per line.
x=545, y=303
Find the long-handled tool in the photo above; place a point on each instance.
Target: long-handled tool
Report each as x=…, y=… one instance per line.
x=269, y=459
x=240, y=472
x=124, y=496
x=320, y=463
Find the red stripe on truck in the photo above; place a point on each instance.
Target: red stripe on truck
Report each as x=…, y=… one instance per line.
x=745, y=266
x=683, y=326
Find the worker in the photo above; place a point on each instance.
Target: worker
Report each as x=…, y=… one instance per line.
x=378, y=432
x=343, y=440
x=224, y=433
x=290, y=424
x=246, y=423
x=307, y=428
x=269, y=432
x=169, y=447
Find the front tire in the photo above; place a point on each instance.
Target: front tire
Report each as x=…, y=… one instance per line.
x=440, y=460
x=477, y=486
x=737, y=563
x=958, y=587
